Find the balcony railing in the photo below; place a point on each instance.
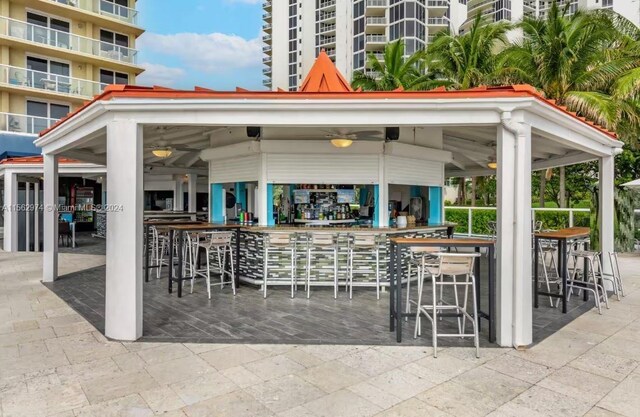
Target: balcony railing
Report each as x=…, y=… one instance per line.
x=266, y=60
x=439, y=21
x=327, y=15
x=327, y=3
x=375, y=20
x=266, y=49
x=266, y=71
x=266, y=27
x=327, y=28
x=22, y=123
x=266, y=16
x=437, y=3
x=377, y=3
x=65, y=40
x=105, y=8
x=267, y=5
x=23, y=77
x=327, y=40
x=376, y=39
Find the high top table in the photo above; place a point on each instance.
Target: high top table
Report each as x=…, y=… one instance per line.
x=561, y=236
x=147, y=227
x=395, y=277
x=181, y=229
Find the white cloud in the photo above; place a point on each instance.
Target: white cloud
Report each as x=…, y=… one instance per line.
x=209, y=53
x=156, y=74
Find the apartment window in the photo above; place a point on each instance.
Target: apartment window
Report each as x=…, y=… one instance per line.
x=41, y=30
x=114, y=45
x=113, y=77
x=39, y=114
x=48, y=74
x=115, y=7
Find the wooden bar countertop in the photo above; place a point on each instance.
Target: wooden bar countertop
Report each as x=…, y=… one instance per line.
x=568, y=233
x=442, y=242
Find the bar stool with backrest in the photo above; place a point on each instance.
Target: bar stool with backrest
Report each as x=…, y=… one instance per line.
x=417, y=256
x=322, y=243
x=279, y=243
x=362, y=243
x=216, y=246
x=591, y=280
x=615, y=275
x=444, y=273
x=550, y=270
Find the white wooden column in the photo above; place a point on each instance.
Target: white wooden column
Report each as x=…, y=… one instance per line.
x=36, y=216
x=382, y=202
x=178, y=194
x=50, y=218
x=513, y=286
x=123, y=295
x=261, y=200
x=10, y=211
x=606, y=214
x=192, y=192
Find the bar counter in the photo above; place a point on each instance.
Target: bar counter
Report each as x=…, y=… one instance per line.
x=252, y=253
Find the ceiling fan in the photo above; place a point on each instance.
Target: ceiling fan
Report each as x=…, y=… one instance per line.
x=343, y=138
x=162, y=150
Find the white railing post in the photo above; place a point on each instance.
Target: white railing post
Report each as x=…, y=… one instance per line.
x=571, y=218
x=470, y=221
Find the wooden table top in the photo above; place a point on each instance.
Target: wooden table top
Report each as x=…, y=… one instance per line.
x=203, y=226
x=443, y=242
x=568, y=233
x=170, y=222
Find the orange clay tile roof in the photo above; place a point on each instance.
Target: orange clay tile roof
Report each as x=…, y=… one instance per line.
x=324, y=77
x=324, y=81
x=35, y=160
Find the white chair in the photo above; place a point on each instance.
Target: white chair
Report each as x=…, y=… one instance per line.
x=362, y=243
x=445, y=273
x=279, y=244
x=322, y=243
x=615, y=275
x=217, y=246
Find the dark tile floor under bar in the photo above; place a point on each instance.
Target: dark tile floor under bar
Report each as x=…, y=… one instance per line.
x=248, y=318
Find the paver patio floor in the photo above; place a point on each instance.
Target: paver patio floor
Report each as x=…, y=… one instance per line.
x=54, y=363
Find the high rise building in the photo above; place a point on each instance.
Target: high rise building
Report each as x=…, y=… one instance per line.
x=514, y=10
x=57, y=54
x=296, y=30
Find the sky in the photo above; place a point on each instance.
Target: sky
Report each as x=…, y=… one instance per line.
x=207, y=43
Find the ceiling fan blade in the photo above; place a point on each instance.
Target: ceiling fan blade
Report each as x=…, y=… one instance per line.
x=185, y=149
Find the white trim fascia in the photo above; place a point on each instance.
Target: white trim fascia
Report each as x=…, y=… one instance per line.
x=27, y=169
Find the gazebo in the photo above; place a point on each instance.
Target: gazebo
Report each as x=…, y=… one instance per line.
x=453, y=133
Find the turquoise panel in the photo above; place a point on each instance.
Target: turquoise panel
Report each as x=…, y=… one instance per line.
x=414, y=191
x=270, y=220
x=377, y=207
x=435, y=205
x=217, y=203
x=241, y=195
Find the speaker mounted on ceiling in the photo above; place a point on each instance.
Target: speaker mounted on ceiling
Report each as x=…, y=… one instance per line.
x=391, y=133
x=254, y=131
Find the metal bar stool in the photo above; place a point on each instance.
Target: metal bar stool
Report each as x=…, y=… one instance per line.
x=592, y=279
x=218, y=244
x=362, y=243
x=322, y=243
x=417, y=256
x=279, y=243
x=550, y=267
x=615, y=275
x=449, y=265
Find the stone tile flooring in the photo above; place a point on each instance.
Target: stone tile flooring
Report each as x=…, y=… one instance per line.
x=54, y=363
x=248, y=318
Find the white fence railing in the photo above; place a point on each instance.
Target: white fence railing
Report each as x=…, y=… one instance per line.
x=470, y=211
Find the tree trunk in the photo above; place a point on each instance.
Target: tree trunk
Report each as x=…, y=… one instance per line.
x=474, y=183
x=461, y=192
x=543, y=186
x=563, y=191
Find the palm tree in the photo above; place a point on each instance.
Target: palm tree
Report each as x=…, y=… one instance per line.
x=395, y=71
x=576, y=61
x=467, y=60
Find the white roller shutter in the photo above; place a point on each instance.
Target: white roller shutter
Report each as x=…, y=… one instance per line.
x=245, y=168
x=322, y=169
x=407, y=171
